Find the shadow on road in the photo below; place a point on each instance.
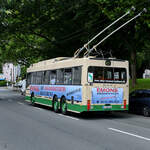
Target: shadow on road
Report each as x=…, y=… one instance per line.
x=102, y=115
x=91, y=115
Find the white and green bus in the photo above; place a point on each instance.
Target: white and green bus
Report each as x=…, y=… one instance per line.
x=79, y=84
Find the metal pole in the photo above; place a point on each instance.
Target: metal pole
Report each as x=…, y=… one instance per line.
x=144, y=10
x=85, y=45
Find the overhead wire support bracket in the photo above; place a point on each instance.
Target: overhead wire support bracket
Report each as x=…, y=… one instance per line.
x=76, y=54
x=139, y=14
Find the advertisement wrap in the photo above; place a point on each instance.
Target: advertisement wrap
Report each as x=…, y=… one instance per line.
x=70, y=92
x=107, y=95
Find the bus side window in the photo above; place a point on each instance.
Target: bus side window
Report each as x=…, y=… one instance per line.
x=60, y=76
x=28, y=79
x=68, y=76
x=46, y=77
x=52, y=77
x=39, y=77
x=34, y=77
x=76, y=75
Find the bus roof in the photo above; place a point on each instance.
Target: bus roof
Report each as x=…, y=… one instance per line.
x=66, y=62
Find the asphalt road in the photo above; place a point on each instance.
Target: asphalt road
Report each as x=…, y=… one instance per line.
x=26, y=127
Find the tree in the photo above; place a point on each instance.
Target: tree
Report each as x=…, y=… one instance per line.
x=133, y=37
x=36, y=30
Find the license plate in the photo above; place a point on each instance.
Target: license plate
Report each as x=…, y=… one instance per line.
x=107, y=107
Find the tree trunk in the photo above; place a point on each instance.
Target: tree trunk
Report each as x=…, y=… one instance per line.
x=133, y=67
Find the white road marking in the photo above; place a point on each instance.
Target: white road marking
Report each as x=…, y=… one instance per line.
x=131, y=134
x=68, y=117
x=20, y=103
x=38, y=108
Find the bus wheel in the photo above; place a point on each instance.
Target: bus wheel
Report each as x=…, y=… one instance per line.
x=146, y=111
x=56, y=105
x=63, y=106
x=32, y=100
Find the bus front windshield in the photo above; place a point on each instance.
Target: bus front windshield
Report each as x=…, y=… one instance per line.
x=107, y=75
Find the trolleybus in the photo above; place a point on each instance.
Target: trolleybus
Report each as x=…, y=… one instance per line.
x=79, y=84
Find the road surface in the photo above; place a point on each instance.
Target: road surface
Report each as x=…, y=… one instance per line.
x=26, y=127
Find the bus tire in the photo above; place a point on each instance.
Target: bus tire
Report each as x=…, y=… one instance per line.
x=63, y=106
x=32, y=100
x=55, y=104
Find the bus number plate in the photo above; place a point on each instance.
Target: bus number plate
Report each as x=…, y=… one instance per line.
x=107, y=107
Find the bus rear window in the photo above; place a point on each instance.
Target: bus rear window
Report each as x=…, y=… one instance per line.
x=107, y=75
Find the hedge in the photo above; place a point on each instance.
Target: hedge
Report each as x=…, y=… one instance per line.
x=3, y=83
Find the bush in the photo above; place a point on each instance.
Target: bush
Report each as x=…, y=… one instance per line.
x=3, y=83
x=141, y=84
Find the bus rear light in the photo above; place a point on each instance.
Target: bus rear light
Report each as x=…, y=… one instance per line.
x=88, y=105
x=125, y=103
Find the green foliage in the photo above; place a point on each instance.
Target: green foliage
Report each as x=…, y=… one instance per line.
x=0, y=68
x=140, y=59
x=3, y=83
x=23, y=72
x=141, y=84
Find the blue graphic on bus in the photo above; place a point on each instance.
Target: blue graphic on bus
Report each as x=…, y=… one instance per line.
x=107, y=95
x=70, y=92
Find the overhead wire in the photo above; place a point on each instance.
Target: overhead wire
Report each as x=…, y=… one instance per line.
x=139, y=14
